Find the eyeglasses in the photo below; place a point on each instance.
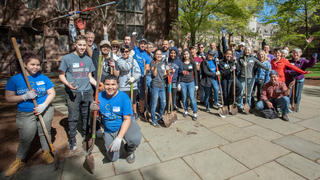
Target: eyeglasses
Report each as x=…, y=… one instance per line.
x=126, y=51
x=201, y=47
x=115, y=46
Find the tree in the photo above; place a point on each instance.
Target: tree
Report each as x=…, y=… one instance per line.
x=296, y=19
x=202, y=15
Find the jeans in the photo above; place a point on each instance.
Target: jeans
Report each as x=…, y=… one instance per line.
x=155, y=94
x=28, y=125
x=132, y=137
x=298, y=91
x=215, y=86
x=78, y=102
x=282, y=103
x=188, y=88
x=227, y=89
x=250, y=83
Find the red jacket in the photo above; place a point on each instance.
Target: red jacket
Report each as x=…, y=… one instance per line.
x=280, y=67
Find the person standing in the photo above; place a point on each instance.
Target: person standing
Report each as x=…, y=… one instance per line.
x=16, y=91
x=76, y=74
x=158, y=90
x=116, y=112
x=189, y=83
x=209, y=79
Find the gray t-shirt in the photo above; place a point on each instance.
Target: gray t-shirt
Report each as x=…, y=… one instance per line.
x=158, y=80
x=77, y=70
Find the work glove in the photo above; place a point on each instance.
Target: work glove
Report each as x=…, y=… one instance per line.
x=315, y=55
x=81, y=24
x=224, y=31
x=218, y=73
x=40, y=108
x=197, y=88
x=116, y=144
x=179, y=87
x=94, y=106
x=29, y=95
x=134, y=34
x=131, y=79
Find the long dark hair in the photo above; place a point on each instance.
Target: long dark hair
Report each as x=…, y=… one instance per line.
x=190, y=57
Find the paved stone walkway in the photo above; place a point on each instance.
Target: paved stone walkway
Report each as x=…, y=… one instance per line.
x=241, y=147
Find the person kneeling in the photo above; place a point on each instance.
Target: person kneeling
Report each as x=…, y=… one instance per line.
x=115, y=112
x=275, y=94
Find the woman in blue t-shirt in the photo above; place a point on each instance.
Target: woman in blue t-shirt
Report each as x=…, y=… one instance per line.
x=16, y=91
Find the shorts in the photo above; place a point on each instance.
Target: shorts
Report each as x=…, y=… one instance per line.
x=135, y=92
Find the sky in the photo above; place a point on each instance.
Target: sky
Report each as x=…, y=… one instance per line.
x=266, y=11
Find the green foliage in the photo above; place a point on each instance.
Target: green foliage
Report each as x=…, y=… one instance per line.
x=295, y=19
x=209, y=16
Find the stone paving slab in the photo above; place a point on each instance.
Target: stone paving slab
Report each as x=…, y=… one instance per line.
x=180, y=139
x=212, y=122
x=175, y=169
x=300, y=146
x=262, y=132
x=144, y=157
x=214, y=164
x=231, y=132
x=238, y=122
x=313, y=123
x=37, y=172
x=269, y=171
x=135, y=175
x=300, y=165
x=276, y=125
x=254, y=151
x=73, y=168
x=309, y=135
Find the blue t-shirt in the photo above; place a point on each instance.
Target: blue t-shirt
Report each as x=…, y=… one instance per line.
x=213, y=67
x=38, y=82
x=113, y=109
x=140, y=57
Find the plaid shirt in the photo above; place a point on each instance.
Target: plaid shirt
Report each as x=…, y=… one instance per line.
x=274, y=91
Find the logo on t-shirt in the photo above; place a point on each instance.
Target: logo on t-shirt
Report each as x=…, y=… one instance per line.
x=116, y=109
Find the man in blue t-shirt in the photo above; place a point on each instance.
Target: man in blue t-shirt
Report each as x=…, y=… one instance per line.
x=143, y=59
x=115, y=114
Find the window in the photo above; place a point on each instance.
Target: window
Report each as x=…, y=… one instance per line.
x=63, y=5
x=2, y=2
x=130, y=18
x=33, y=4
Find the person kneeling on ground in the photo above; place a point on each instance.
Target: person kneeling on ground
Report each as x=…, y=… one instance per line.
x=275, y=94
x=115, y=113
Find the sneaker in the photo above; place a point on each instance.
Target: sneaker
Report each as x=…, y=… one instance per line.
x=136, y=116
x=131, y=158
x=218, y=105
x=194, y=117
x=285, y=117
x=185, y=114
x=155, y=124
x=14, y=167
x=47, y=157
x=73, y=147
x=207, y=110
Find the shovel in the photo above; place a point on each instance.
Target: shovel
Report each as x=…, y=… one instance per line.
x=170, y=116
x=89, y=161
x=293, y=104
x=246, y=107
x=233, y=107
x=146, y=112
x=223, y=111
x=24, y=72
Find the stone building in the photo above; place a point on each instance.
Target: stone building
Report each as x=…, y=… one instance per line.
x=24, y=19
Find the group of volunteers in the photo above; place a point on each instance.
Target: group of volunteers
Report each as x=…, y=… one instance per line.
x=135, y=76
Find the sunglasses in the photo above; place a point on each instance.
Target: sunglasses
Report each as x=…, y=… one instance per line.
x=115, y=46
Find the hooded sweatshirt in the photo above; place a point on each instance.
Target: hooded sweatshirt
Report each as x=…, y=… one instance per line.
x=176, y=64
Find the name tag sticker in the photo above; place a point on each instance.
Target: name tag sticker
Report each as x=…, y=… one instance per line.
x=278, y=91
x=75, y=65
x=116, y=109
x=39, y=83
x=162, y=67
x=190, y=67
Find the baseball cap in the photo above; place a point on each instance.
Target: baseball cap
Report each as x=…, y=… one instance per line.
x=105, y=42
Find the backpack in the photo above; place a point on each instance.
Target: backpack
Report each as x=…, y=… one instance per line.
x=269, y=113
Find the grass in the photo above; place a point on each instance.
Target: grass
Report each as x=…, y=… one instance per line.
x=315, y=71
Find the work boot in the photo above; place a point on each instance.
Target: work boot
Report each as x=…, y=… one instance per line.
x=14, y=167
x=47, y=157
x=285, y=117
